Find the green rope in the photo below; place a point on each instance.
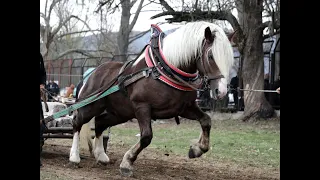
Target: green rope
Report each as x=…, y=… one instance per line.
x=84, y=102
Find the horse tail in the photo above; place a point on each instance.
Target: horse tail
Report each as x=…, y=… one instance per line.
x=85, y=133
x=222, y=51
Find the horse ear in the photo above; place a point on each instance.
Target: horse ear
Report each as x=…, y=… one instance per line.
x=208, y=35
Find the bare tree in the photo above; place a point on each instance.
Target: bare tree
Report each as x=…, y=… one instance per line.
x=126, y=26
x=49, y=34
x=248, y=37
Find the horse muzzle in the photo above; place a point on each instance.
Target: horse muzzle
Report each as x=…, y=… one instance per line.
x=218, y=90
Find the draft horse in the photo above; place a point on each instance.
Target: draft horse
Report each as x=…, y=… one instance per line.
x=160, y=84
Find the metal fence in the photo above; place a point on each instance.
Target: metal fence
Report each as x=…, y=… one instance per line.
x=69, y=71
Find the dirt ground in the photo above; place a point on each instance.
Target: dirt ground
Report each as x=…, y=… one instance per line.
x=151, y=164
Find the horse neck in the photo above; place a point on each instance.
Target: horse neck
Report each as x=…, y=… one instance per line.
x=191, y=68
x=200, y=67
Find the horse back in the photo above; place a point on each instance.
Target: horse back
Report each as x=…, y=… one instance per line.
x=102, y=76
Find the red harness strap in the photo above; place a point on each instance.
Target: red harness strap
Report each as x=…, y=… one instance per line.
x=182, y=73
x=163, y=78
x=156, y=31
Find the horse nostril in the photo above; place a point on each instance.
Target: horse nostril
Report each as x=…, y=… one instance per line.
x=216, y=91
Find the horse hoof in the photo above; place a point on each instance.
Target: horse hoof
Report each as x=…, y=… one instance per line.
x=195, y=152
x=126, y=172
x=191, y=154
x=73, y=165
x=102, y=163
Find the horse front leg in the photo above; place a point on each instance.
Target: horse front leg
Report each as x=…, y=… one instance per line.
x=143, y=116
x=193, y=112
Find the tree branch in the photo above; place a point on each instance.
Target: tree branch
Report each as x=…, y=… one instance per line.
x=78, y=32
x=179, y=16
x=166, y=5
x=101, y=4
x=56, y=30
x=53, y=4
x=136, y=16
x=45, y=8
x=150, y=2
x=79, y=51
x=43, y=16
x=138, y=36
x=132, y=3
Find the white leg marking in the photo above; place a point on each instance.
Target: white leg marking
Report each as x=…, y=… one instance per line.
x=98, y=151
x=74, y=152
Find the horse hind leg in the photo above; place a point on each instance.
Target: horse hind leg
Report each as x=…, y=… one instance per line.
x=99, y=152
x=79, y=118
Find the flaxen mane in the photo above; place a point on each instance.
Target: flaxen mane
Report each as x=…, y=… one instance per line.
x=180, y=49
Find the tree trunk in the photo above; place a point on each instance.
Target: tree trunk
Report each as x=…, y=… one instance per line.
x=256, y=105
x=124, y=31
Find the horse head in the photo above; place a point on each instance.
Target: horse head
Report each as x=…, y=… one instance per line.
x=215, y=61
x=205, y=48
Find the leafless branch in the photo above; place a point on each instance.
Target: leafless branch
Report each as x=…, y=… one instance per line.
x=45, y=8
x=53, y=4
x=150, y=2
x=149, y=10
x=62, y=23
x=166, y=5
x=78, y=32
x=43, y=16
x=79, y=51
x=136, y=15
x=101, y=4
x=196, y=5
x=132, y=3
x=138, y=36
x=179, y=16
x=267, y=5
x=56, y=30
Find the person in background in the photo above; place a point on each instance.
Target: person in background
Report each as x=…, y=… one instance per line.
x=43, y=77
x=266, y=86
x=53, y=89
x=277, y=96
x=234, y=84
x=70, y=91
x=277, y=84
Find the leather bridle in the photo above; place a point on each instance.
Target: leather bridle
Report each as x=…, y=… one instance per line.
x=206, y=77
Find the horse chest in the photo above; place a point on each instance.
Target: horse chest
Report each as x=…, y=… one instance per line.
x=172, y=104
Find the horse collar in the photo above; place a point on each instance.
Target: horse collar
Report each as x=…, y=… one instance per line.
x=166, y=72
